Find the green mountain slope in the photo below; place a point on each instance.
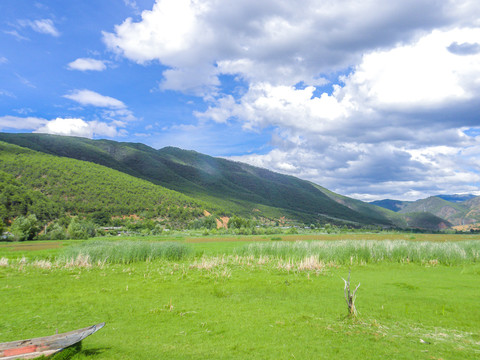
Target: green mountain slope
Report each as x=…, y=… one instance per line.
x=240, y=188
x=79, y=187
x=426, y=220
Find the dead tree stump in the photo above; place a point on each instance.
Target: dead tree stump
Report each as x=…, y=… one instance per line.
x=350, y=296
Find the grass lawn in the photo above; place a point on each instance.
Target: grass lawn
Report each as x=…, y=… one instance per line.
x=245, y=307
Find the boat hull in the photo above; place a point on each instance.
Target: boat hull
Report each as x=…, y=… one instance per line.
x=46, y=346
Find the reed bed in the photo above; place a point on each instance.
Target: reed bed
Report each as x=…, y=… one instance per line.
x=369, y=251
x=126, y=252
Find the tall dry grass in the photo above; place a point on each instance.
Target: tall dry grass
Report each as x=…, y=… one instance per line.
x=369, y=251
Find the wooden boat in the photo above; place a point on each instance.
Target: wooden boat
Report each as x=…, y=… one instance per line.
x=46, y=346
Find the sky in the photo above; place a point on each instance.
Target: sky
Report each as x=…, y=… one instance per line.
x=371, y=99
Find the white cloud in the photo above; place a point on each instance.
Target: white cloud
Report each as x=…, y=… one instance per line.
x=122, y=114
x=92, y=98
x=24, y=80
x=68, y=127
x=424, y=74
x=273, y=41
x=43, y=26
x=23, y=111
x=85, y=64
x=7, y=93
x=162, y=33
x=132, y=4
x=18, y=123
x=3, y=60
x=393, y=122
x=62, y=126
x=78, y=127
x=15, y=34
x=112, y=109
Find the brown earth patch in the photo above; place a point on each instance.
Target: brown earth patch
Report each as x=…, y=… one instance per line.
x=222, y=222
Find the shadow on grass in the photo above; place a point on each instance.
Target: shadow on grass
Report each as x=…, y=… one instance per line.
x=93, y=352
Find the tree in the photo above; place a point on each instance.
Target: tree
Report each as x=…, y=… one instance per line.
x=25, y=228
x=56, y=232
x=80, y=229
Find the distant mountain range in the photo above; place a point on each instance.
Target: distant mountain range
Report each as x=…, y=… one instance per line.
x=213, y=184
x=459, y=209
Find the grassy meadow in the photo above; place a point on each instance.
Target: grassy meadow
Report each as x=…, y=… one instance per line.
x=250, y=297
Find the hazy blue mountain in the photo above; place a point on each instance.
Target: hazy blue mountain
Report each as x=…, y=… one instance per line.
x=394, y=205
x=456, y=198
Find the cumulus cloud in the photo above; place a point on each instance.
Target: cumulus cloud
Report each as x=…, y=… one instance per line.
x=394, y=120
x=78, y=127
x=68, y=127
x=92, y=98
x=62, y=126
x=272, y=41
x=87, y=64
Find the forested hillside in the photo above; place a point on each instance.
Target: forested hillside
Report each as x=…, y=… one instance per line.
x=49, y=186
x=18, y=199
x=242, y=189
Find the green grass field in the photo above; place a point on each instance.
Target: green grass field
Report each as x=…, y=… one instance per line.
x=224, y=300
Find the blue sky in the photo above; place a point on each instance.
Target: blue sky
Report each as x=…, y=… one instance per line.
x=369, y=99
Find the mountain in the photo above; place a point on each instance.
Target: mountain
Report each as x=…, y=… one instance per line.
x=437, y=206
x=394, y=205
x=236, y=187
x=223, y=186
x=458, y=210
x=50, y=186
